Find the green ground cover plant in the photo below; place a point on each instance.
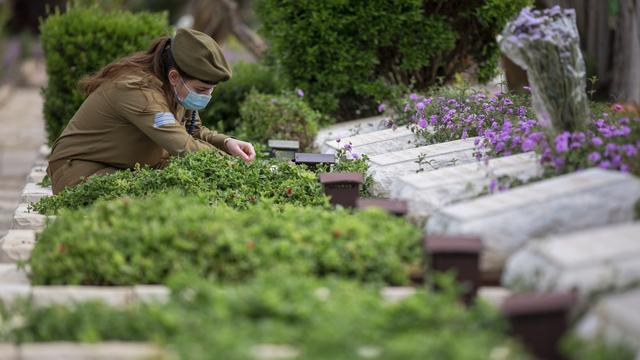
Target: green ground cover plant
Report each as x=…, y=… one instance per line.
x=143, y=241
x=315, y=318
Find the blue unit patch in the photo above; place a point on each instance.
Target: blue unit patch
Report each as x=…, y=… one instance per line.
x=163, y=118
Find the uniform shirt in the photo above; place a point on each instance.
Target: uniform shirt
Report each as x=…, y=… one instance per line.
x=127, y=121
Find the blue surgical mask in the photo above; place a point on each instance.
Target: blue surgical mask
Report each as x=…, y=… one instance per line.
x=193, y=100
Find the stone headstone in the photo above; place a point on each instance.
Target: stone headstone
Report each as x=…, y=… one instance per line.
x=384, y=168
x=615, y=319
x=429, y=191
x=506, y=220
x=375, y=143
x=23, y=218
x=347, y=129
x=33, y=192
x=11, y=275
x=17, y=245
x=587, y=261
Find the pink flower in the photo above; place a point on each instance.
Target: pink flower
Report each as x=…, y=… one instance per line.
x=299, y=92
x=381, y=108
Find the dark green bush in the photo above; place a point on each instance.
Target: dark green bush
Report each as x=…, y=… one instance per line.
x=320, y=319
x=81, y=41
x=223, y=113
x=345, y=53
x=142, y=241
x=227, y=180
x=284, y=117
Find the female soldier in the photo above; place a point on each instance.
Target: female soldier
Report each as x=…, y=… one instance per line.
x=142, y=109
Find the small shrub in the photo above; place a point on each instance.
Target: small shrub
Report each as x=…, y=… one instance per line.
x=226, y=180
x=285, y=117
x=143, y=241
x=81, y=41
x=345, y=53
x=223, y=113
x=339, y=319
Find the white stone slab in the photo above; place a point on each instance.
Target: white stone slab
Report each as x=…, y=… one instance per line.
x=23, y=218
x=17, y=245
x=588, y=261
x=11, y=292
x=80, y=351
x=384, y=168
x=11, y=275
x=378, y=142
x=33, y=192
x=44, y=295
x=428, y=191
x=494, y=295
x=348, y=128
x=506, y=220
x=393, y=294
x=615, y=319
x=37, y=174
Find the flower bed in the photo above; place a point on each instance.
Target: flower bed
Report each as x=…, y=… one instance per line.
x=143, y=241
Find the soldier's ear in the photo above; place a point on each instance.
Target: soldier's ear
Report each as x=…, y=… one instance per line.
x=173, y=76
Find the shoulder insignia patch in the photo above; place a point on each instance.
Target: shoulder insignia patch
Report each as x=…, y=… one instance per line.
x=163, y=118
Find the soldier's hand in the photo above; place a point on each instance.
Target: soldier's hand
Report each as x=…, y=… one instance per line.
x=241, y=149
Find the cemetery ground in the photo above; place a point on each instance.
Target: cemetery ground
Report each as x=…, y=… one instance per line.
x=462, y=222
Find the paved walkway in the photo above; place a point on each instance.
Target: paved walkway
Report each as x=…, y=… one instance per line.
x=21, y=136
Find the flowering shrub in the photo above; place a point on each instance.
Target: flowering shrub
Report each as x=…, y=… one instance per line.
x=143, y=241
x=339, y=319
x=438, y=118
x=505, y=125
x=349, y=161
x=227, y=180
x=285, y=117
x=546, y=44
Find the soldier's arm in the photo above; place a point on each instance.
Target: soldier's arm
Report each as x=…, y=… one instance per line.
x=150, y=113
x=203, y=133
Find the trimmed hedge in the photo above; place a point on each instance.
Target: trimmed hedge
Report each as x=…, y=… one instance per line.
x=143, y=241
x=225, y=179
x=345, y=53
x=81, y=41
x=285, y=117
x=319, y=319
x=223, y=113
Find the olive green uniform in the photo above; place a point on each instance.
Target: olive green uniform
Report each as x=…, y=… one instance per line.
x=126, y=121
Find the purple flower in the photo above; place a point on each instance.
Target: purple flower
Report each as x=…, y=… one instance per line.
x=492, y=186
x=381, y=108
x=528, y=145
x=594, y=157
x=347, y=147
x=338, y=140
x=422, y=123
x=420, y=105
x=526, y=88
x=299, y=92
x=596, y=141
x=605, y=164
x=413, y=97
x=618, y=107
x=355, y=155
x=562, y=142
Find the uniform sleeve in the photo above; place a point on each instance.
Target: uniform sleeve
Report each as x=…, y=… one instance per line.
x=148, y=111
x=203, y=133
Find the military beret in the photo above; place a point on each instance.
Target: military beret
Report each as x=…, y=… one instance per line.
x=199, y=56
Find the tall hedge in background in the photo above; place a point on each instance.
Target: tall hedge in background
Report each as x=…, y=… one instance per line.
x=345, y=53
x=81, y=41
